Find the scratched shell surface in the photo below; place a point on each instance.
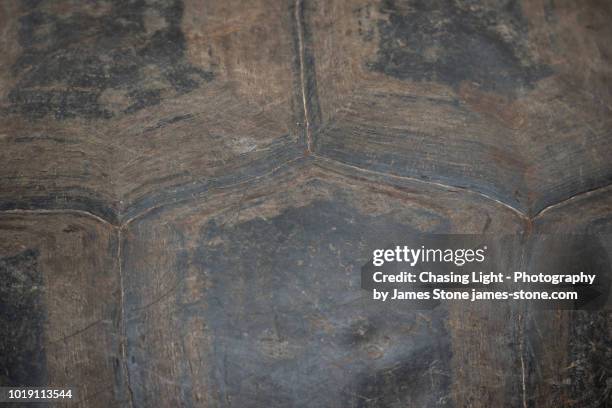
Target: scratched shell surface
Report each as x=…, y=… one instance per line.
x=191, y=187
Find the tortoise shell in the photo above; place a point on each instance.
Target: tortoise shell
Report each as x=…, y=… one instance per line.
x=192, y=187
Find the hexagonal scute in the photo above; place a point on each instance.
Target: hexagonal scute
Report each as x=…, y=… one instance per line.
x=60, y=305
x=511, y=99
x=251, y=297
x=108, y=106
x=573, y=347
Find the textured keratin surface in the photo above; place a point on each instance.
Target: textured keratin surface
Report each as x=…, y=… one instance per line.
x=188, y=189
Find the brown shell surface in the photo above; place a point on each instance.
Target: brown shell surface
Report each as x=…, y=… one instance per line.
x=188, y=189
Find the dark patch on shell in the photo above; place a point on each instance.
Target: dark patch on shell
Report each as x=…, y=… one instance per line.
x=22, y=356
x=454, y=41
x=69, y=61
